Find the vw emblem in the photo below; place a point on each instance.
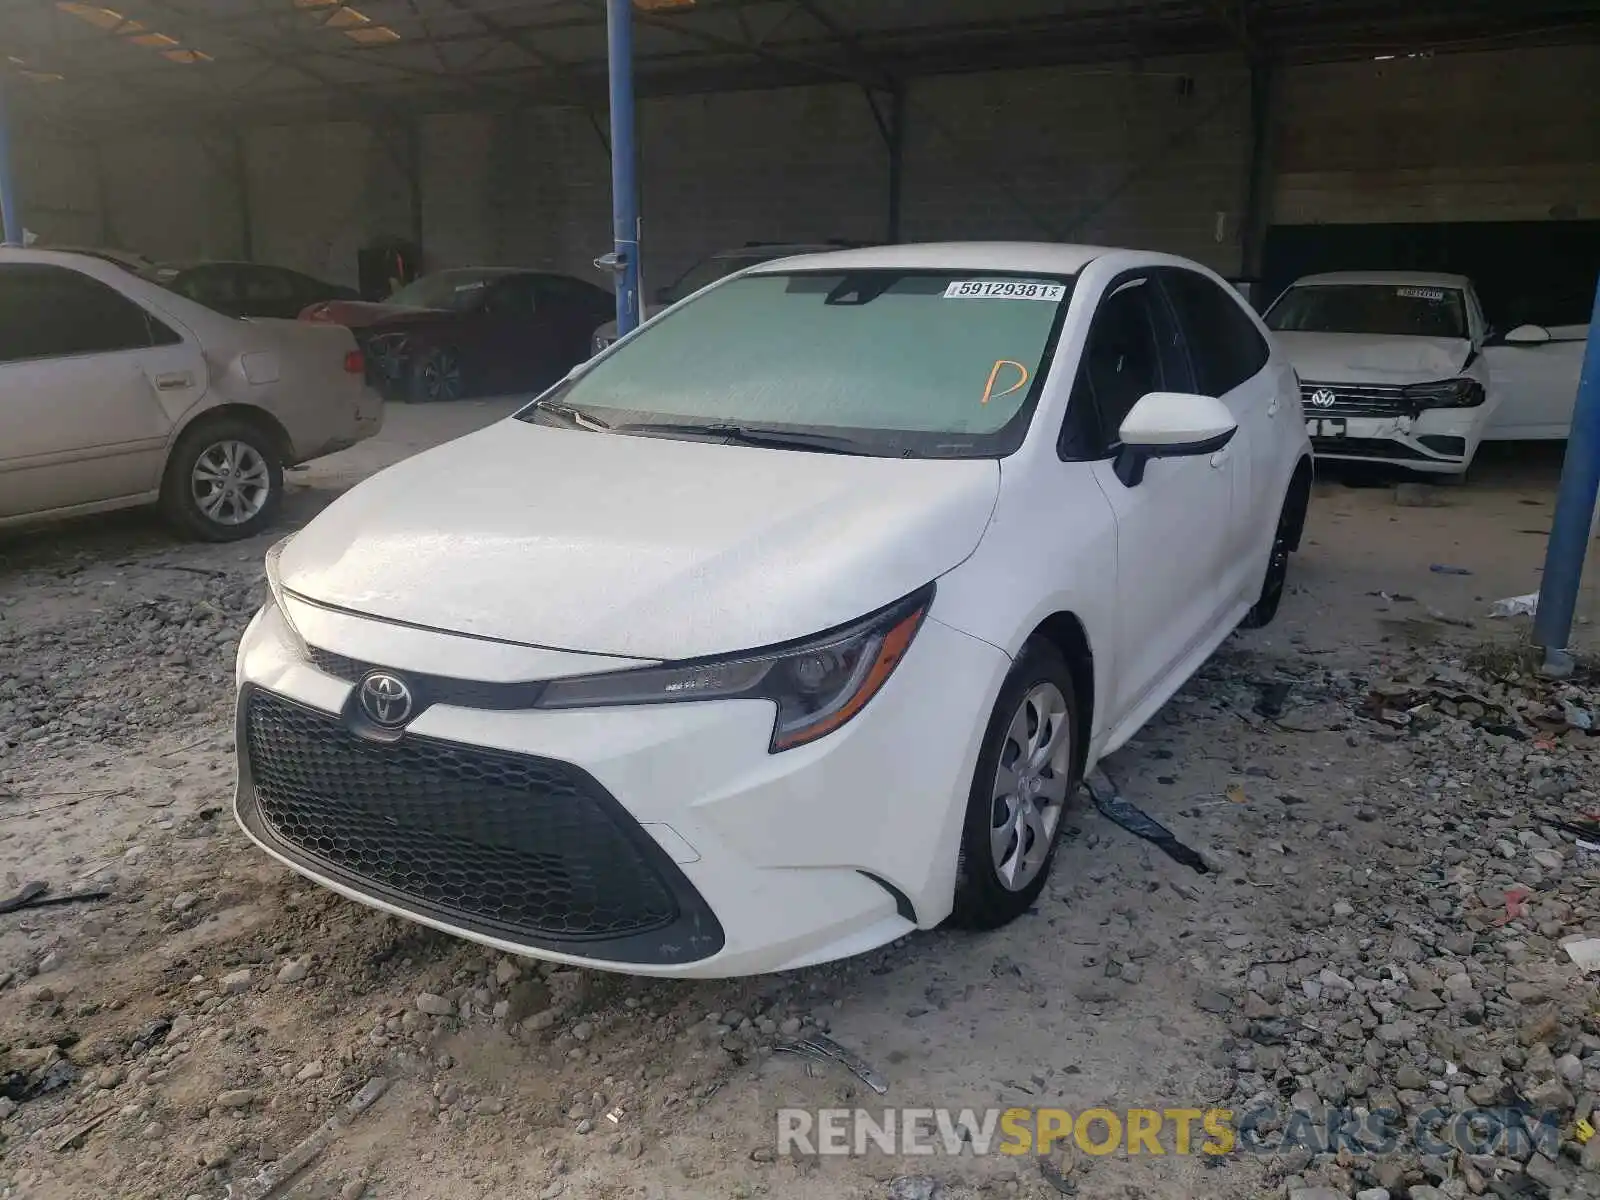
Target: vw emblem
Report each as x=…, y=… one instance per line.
x=1323, y=398
x=386, y=700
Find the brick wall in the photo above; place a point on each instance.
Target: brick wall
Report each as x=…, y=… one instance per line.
x=1507, y=136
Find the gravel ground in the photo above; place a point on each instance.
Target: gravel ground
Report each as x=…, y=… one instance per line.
x=1377, y=787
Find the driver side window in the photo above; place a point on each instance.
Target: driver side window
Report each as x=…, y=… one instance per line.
x=1132, y=349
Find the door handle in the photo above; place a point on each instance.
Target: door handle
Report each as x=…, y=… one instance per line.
x=1272, y=409
x=1221, y=456
x=174, y=381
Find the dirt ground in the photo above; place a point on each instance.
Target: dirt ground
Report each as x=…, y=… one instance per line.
x=182, y=1034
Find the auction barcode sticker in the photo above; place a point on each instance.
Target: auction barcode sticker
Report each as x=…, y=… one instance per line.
x=1416, y=293
x=1004, y=289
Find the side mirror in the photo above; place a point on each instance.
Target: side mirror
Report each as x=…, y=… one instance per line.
x=1528, y=335
x=1171, y=425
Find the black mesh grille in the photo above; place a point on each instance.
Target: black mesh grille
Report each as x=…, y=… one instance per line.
x=519, y=845
x=340, y=666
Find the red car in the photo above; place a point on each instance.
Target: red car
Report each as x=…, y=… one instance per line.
x=477, y=331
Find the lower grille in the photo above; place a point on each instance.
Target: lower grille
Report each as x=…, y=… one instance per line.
x=526, y=849
x=1368, y=448
x=1355, y=400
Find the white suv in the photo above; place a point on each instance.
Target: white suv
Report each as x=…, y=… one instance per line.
x=787, y=625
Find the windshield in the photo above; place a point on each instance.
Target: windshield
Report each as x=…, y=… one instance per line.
x=896, y=362
x=455, y=290
x=1402, y=309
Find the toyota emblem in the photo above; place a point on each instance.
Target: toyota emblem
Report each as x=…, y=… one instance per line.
x=1323, y=398
x=386, y=700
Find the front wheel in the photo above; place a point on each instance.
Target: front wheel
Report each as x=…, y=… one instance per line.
x=224, y=480
x=1026, y=774
x=1266, y=606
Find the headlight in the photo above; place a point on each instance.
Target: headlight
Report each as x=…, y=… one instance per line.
x=817, y=684
x=275, y=589
x=1447, y=393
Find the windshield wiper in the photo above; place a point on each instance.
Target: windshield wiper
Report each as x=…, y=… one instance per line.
x=779, y=439
x=576, y=415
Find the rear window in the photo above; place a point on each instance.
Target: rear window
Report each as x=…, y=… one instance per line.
x=1399, y=309
x=920, y=362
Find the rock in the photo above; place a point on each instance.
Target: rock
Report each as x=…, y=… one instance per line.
x=1419, y=495
x=236, y=1098
x=8, y=1108
x=353, y=1190
x=1208, y=1001
x=526, y=997
x=489, y=1106
x=1376, y=1193
x=153, y=1132
x=236, y=983
x=507, y=972
x=1589, y=1159
x=1408, y=1078
x=312, y=1070
x=1551, y=1094
x=915, y=1187
x=790, y=1026
x=294, y=970
x=1541, y=1170
x=1316, y=1193
x=214, y=1158
x=184, y=901
x=109, y=1077
x=583, y=1031
x=434, y=1005
x=1570, y=1068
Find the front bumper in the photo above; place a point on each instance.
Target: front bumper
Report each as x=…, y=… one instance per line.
x=1439, y=440
x=660, y=839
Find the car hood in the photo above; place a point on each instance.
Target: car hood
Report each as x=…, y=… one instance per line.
x=359, y=314
x=638, y=546
x=1373, y=358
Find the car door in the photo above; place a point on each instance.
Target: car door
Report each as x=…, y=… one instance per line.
x=1173, y=526
x=520, y=341
x=84, y=371
x=575, y=309
x=1230, y=359
x=1536, y=383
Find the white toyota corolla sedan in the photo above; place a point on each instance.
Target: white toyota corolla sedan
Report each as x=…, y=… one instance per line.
x=787, y=625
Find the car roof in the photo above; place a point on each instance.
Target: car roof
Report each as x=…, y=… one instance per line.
x=1384, y=278
x=1050, y=258
x=769, y=249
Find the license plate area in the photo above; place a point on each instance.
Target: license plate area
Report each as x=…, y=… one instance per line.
x=1326, y=427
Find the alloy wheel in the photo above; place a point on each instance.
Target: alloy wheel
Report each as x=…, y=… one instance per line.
x=230, y=482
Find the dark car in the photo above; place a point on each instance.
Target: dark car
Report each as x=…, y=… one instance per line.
x=714, y=267
x=241, y=289
x=474, y=331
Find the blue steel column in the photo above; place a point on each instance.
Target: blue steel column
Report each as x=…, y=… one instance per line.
x=10, y=217
x=624, y=192
x=1569, y=533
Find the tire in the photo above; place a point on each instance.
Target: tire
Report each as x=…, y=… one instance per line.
x=436, y=376
x=1266, y=606
x=224, y=480
x=1006, y=858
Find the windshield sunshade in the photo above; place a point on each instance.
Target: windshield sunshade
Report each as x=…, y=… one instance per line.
x=921, y=362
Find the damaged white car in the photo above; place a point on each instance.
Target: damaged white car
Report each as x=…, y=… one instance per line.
x=1391, y=366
